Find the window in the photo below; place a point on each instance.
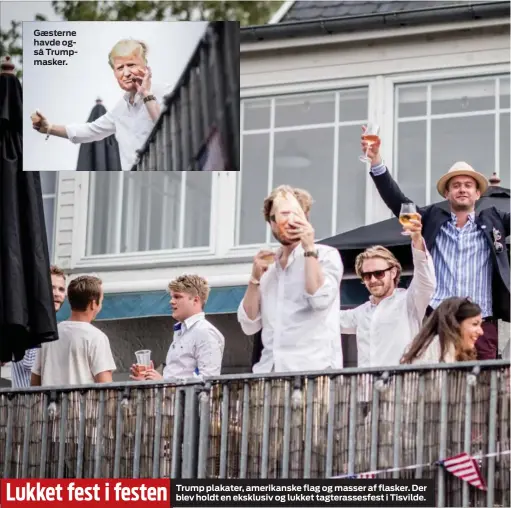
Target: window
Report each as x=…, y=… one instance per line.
x=310, y=141
x=439, y=123
x=49, y=191
x=136, y=212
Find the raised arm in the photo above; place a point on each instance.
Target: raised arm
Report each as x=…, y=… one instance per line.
x=386, y=186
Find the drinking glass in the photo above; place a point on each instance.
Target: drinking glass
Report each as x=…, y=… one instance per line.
x=143, y=360
x=408, y=212
x=370, y=136
x=269, y=258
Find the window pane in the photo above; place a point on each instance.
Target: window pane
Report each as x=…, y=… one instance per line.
x=197, y=209
x=254, y=188
x=351, y=188
x=136, y=212
x=49, y=221
x=455, y=139
x=48, y=181
x=411, y=160
x=353, y=105
x=505, y=165
x=412, y=101
x=256, y=114
x=461, y=97
x=304, y=109
x=504, y=93
x=305, y=159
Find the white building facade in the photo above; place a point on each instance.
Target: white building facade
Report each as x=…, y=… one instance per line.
x=439, y=91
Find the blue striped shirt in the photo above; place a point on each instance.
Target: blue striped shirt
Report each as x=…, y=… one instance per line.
x=463, y=264
x=462, y=259
x=21, y=371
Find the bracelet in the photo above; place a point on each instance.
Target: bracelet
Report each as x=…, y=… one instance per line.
x=254, y=281
x=48, y=133
x=149, y=98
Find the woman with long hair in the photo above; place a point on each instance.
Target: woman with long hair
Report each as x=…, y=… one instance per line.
x=449, y=335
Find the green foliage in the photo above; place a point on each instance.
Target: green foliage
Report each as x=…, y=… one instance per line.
x=247, y=13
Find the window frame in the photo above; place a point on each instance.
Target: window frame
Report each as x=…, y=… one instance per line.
x=390, y=141
x=137, y=259
x=283, y=90
x=55, y=196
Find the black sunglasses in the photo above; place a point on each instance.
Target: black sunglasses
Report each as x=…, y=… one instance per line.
x=378, y=274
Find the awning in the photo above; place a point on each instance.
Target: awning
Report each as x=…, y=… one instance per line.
x=222, y=300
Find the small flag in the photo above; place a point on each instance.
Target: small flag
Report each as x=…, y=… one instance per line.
x=366, y=475
x=465, y=467
x=211, y=157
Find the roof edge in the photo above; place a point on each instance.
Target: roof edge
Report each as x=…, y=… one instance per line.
x=281, y=12
x=449, y=14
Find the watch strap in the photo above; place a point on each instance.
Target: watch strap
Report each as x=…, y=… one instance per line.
x=311, y=254
x=149, y=98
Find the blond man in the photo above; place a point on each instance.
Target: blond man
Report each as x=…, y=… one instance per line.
x=82, y=355
x=132, y=118
x=392, y=316
x=198, y=347
x=293, y=296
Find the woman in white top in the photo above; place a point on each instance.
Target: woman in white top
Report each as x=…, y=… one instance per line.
x=449, y=335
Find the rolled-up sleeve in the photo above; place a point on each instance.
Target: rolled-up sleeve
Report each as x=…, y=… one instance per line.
x=249, y=326
x=101, y=128
x=331, y=264
x=209, y=352
x=423, y=283
x=29, y=359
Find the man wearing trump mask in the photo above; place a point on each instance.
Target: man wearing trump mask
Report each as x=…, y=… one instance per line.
x=132, y=118
x=293, y=296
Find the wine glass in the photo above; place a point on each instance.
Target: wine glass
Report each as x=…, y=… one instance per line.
x=408, y=212
x=370, y=136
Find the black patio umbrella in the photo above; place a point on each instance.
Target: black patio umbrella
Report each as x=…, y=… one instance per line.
x=100, y=155
x=388, y=232
x=27, y=315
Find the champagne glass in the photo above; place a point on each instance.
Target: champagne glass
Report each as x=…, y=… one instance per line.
x=408, y=212
x=370, y=136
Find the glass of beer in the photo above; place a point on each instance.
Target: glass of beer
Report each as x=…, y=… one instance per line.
x=143, y=360
x=408, y=212
x=270, y=257
x=370, y=136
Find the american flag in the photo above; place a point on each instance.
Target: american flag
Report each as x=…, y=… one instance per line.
x=211, y=157
x=465, y=467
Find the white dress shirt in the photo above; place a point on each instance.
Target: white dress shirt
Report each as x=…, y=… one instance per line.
x=197, y=348
x=131, y=124
x=300, y=332
x=431, y=355
x=385, y=330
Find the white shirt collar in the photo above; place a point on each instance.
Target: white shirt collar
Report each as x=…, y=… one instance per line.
x=189, y=322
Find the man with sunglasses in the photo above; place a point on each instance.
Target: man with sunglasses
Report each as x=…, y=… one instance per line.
x=392, y=316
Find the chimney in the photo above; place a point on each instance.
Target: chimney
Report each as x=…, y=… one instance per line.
x=494, y=180
x=7, y=67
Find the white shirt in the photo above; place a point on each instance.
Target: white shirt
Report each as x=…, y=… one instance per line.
x=197, y=348
x=385, y=330
x=81, y=352
x=131, y=124
x=300, y=332
x=432, y=354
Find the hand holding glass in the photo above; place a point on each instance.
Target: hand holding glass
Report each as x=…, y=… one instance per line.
x=371, y=137
x=143, y=360
x=408, y=212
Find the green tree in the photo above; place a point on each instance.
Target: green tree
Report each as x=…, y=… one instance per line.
x=247, y=13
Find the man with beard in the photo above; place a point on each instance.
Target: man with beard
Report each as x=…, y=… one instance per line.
x=389, y=321
x=133, y=117
x=294, y=294
x=21, y=371
x=468, y=249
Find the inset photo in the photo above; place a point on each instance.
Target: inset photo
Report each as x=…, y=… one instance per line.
x=131, y=96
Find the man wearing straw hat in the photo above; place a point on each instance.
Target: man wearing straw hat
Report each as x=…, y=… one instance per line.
x=468, y=248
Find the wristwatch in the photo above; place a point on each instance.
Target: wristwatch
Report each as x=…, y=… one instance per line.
x=149, y=98
x=311, y=254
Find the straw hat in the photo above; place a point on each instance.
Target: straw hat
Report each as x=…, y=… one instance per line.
x=462, y=169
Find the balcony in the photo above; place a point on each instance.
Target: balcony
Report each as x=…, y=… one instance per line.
x=200, y=123
x=315, y=425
